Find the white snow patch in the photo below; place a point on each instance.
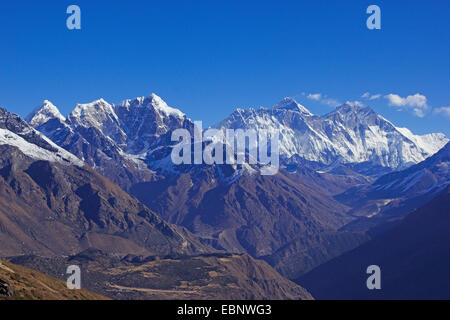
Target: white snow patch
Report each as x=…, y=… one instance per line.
x=33, y=151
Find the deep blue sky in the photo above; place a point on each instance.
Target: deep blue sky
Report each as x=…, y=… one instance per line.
x=209, y=57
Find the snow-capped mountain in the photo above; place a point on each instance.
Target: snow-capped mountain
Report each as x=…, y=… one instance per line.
x=126, y=140
x=120, y=141
x=18, y=133
x=100, y=115
x=292, y=105
x=134, y=124
x=145, y=120
x=42, y=113
x=137, y=132
x=352, y=134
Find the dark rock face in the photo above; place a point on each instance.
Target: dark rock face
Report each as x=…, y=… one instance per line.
x=6, y=289
x=143, y=123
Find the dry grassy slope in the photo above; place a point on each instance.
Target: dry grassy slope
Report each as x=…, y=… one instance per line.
x=33, y=285
x=213, y=276
x=236, y=277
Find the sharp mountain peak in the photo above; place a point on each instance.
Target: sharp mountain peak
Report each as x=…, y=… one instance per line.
x=291, y=104
x=42, y=113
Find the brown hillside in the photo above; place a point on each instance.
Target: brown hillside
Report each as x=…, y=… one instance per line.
x=32, y=285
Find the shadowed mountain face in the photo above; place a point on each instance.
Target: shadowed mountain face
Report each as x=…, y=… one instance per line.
x=414, y=257
x=304, y=253
x=98, y=151
x=216, y=276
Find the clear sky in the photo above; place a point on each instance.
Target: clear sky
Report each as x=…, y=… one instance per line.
x=209, y=57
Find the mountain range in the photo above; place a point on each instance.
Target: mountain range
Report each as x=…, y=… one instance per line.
x=102, y=178
x=137, y=128
x=53, y=205
x=229, y=207
x=351, y=134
